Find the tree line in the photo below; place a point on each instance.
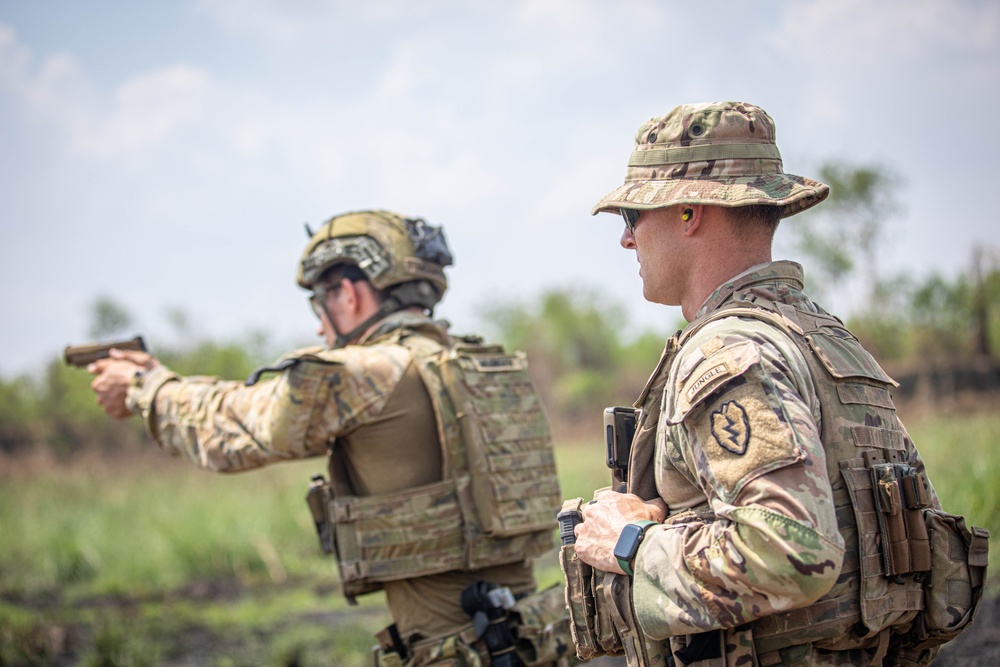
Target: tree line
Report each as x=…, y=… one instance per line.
x=576, y=342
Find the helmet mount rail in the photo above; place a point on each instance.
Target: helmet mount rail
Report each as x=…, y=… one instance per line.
x=402, y=258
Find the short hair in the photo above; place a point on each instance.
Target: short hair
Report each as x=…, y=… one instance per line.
x=750, y=221
x=339, y=272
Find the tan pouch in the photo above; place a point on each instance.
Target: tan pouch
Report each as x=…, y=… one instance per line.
x=508, y=446
x=580, y=602
x=542, y=627
x=955, y=584
x=452, y=651
x=415, y=532
x=604, y=609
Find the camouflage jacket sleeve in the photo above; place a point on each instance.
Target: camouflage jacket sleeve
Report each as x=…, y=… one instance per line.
x=740, y=422
x=228, y=427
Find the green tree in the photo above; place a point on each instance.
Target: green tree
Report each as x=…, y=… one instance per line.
x=886, y=331
x=985, y=300
x=229, y=360
x=841, y=235
x=958, y=317
x=573, y=339
x=19, y=414
x=108, y=319
x=56, y=409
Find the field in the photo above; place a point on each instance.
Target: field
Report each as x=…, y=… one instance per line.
x=146, y=561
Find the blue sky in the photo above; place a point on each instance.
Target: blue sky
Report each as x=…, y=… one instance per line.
x=166, y=155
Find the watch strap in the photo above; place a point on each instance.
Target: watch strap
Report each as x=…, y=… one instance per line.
x=626, y=564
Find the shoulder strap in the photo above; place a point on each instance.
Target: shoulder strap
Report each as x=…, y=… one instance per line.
x=782, y=315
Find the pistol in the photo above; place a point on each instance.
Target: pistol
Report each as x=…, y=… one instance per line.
x=82, y=355
x=619, y=429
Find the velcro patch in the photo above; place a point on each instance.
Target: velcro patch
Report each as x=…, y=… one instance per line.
x=742, y=436
x=709, y=375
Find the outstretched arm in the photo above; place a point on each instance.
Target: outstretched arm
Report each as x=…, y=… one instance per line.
x=114, y=374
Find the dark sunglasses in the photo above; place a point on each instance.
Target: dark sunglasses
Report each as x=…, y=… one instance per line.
x=630, y=216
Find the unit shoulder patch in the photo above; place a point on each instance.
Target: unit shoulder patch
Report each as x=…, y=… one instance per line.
x=731, y=427
x=741, y=436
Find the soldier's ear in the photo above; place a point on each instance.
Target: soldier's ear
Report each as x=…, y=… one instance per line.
x=347, y=294
x=363, y=295
x=691, y=217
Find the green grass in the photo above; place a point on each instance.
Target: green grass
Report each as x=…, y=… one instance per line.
x=962, y=454
x=140, y=561
x=144, y=560
x=151, y=524
x=963, y=461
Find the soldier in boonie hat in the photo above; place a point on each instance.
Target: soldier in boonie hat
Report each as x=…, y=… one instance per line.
x=751, y=525
x=722, y=154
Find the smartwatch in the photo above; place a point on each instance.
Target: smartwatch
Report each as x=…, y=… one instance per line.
x=628, y=543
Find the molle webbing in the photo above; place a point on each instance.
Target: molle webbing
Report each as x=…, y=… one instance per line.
x=383, y=538
x=642, y=452
x=859, y=429
x=499, y=495
x=509, y=447
x=502, y=446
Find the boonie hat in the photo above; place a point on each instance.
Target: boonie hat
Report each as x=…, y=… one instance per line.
x=720, y=154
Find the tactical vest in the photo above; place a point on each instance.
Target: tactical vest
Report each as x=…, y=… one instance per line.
x=904, y=588
x=497, y=501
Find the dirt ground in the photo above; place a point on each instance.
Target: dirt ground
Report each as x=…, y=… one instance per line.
x=63, y=644
x=980, y=644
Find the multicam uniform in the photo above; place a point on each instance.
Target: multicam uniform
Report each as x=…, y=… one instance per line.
x=369, y=404
x=762, y=560
x=739, y=432
x=801, y=528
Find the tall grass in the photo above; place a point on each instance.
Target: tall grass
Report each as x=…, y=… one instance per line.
x=149, y=523
x=154, y=534
x=962, y=454
x=149, y=561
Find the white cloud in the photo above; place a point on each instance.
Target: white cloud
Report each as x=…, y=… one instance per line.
x=575, y=16
x=176, y=109
x=853, y=30
x=149, y=110
x=14, y=57
x=291, y=21
x=412, y=66
x=54, y=90
x=276, y=20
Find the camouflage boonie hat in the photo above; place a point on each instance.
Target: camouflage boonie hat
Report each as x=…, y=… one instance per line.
x=720, y=154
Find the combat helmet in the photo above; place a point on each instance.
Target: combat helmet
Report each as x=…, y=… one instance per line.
x=400, y=256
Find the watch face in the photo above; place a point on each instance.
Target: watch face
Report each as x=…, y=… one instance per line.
x=628, y=542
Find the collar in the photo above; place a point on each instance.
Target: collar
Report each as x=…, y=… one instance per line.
x=403, y=319
x=782, y=271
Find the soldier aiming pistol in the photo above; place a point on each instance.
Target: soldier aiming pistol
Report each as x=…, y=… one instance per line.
x=82, y=356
